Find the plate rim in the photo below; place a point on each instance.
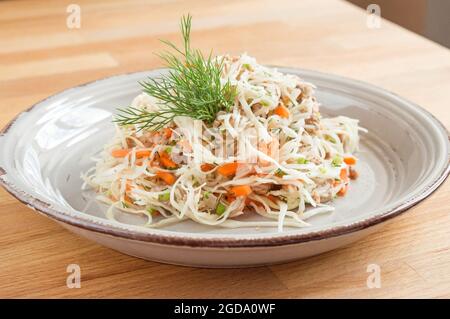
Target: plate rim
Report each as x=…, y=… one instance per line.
x=228, y=241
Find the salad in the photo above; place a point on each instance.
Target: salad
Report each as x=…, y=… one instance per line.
x=218, y=137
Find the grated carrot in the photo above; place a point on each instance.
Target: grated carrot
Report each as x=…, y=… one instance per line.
x=241, y=190
x=128, y=187
x=342, y=191
x=167, y=133
x=168, y=178
x=343, y=175
x=281, y=111
x=228, y=169
x=350, y=160
x=166, y=161
x=124, y=152
x=207, y=167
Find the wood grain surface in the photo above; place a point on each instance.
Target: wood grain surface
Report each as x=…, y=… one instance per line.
x=40, y=55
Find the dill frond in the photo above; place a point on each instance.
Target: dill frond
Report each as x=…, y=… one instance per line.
x=192, y=87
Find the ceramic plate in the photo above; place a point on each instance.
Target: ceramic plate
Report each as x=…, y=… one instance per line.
x=403, y=158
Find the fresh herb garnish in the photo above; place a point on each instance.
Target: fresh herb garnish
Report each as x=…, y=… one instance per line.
x=191, y=88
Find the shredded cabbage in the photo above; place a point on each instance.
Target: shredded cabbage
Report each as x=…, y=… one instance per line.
x=292, y=158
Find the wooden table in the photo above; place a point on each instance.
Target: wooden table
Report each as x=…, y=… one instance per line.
x=39, y=56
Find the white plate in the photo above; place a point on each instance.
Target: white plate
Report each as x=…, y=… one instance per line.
x=403, y=159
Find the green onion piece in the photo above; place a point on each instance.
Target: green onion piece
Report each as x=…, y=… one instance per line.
x=302, y=160
x=164, y=197
x=168, y=150
x=206, y=194
x=323, y=170
x=337, y=161
x=220, y=209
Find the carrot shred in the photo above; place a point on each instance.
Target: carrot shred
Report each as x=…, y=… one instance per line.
x=142, y=154
x=167, y=133
x=139, y=162
x=230, y=198
x=343, y=175
x=281, y=111
x=241, y=190
x=350, y=160
x=128, y=199
x=342, y=191
x=168, y=178
x=124, y=152
x=120, y=152
x=207, y=167
x=128, y=187
x=166, y=161
x=228, y=169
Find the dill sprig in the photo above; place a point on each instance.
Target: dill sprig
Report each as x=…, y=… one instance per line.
x=192, y=87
